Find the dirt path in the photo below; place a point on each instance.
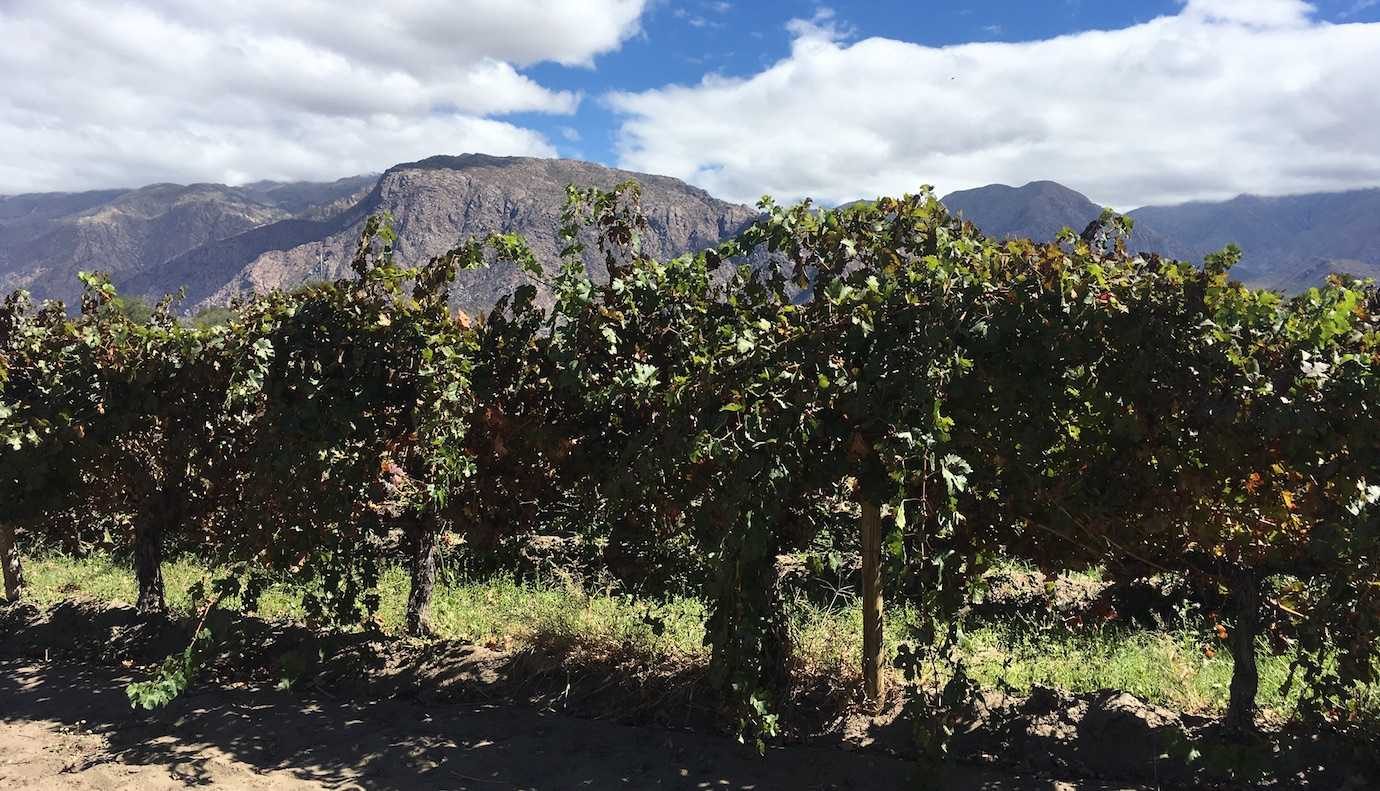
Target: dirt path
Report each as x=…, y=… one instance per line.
x=69, y=727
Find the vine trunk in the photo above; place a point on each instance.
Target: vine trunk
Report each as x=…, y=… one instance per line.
x=9, y=560
x=426, y=534
x=1245, y=676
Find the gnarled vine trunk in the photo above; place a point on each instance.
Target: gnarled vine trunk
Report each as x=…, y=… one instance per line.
x=157, y=520
x=1245, y=676
x=426, y=534
x=9, y=560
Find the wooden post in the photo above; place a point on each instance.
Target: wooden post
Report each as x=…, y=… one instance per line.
x=872, y=602
x=9, y=560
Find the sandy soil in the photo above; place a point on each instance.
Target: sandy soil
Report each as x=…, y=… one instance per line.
x=69, y=727
x=373, y=712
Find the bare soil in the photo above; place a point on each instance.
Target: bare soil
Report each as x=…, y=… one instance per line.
x=369, y=712
x=70, y=728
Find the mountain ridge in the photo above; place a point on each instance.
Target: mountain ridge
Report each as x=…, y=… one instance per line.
x=436, y=202
x=1289, y=242
x=220, y=241
x=1285, y=238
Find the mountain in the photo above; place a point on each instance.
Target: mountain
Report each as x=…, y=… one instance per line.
x=218, y=241
x=46, y=239
x=1290, y=243
x=1039, y=210
x=435, y=203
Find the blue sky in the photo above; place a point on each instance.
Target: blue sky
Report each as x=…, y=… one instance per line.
x=1155, y=101
x=681, y=42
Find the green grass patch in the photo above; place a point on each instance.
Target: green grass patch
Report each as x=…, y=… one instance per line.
x=1167, y=668
x=496, y=611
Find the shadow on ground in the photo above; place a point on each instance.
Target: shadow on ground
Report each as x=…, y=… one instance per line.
x=369, y=712
x=223, y=737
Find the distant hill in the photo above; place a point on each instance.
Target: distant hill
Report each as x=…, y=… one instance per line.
x=218, y=241
x=1290, y=243
x=1039, y=210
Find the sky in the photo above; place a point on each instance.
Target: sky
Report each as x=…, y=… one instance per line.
x=1131, y=103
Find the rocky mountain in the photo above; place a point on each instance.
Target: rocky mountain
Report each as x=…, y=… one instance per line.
x=435, y=203
x=218, y=241
x=1290, y=243
x=46, y=239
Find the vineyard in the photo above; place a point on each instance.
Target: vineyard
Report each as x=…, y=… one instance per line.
x=880, y=380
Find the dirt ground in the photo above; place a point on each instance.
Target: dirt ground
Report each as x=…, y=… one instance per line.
x=69, y=727
x=366, y=711
x=385, y=716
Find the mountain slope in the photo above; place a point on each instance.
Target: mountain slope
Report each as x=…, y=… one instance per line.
x=436, y=203
x=150, y=224
x=1038, y=210
x=310, y=199
x=46, y=239
x=1289, y=242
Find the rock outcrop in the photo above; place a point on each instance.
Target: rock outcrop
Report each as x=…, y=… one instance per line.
x=440, y=201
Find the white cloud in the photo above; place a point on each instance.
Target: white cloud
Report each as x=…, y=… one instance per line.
x=105, y=94
x=1263, y=13
x=823, y=26
x=1227, y=96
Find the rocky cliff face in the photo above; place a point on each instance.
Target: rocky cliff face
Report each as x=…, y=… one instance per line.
x=45, y=240
x=440, y=201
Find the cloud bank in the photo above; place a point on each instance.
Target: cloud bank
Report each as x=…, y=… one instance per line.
x=101, y=94
x=1226, y=96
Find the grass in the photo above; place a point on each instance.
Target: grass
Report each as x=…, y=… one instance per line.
x=496, y=611
x=1168, y=668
